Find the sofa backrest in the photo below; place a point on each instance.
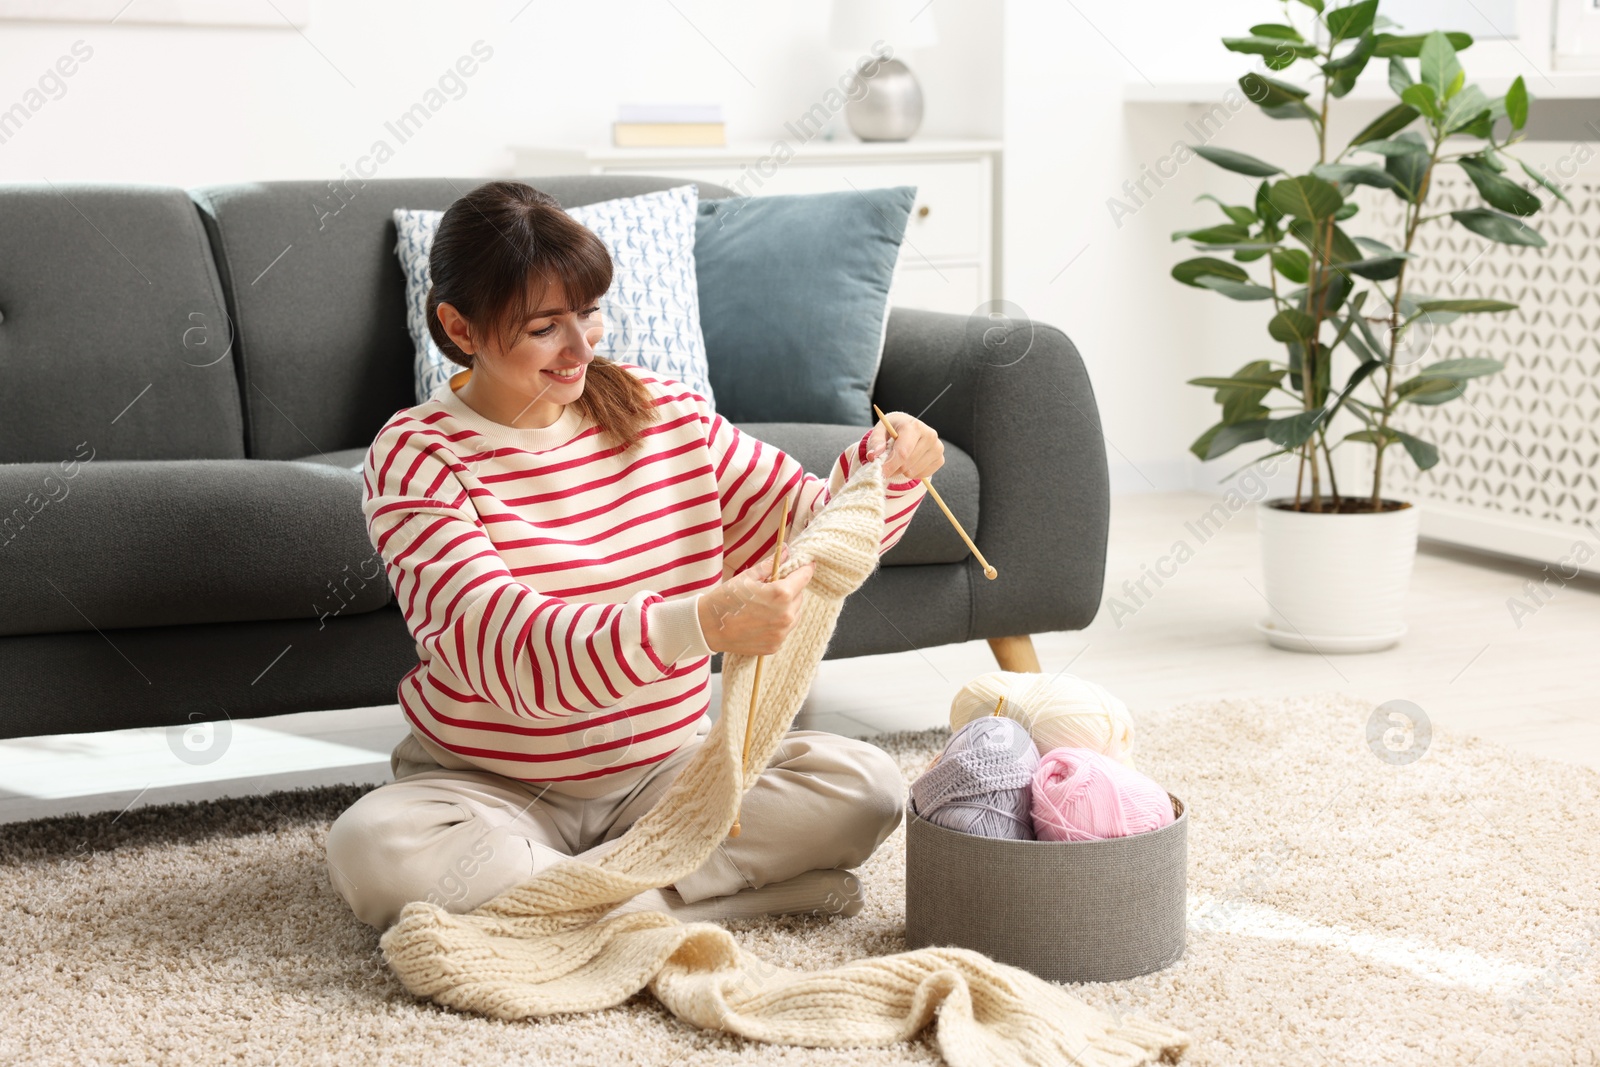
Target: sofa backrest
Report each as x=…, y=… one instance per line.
x=318, y=298
x=113, y=334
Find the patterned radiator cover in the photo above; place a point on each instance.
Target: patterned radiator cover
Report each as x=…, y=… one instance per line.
x=1519, y=471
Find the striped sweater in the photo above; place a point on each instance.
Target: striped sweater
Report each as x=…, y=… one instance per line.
x=551, y=585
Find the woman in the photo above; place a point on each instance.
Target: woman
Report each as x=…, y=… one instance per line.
x=569, y=540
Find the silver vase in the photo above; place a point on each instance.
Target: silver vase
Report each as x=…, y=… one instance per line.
x=891, y=108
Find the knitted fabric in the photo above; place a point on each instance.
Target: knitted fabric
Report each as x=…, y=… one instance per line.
x=546, y=947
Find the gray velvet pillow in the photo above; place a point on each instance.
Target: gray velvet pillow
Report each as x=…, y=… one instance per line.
x=794, y=297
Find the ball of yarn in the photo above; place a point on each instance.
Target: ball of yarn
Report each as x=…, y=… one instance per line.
x=1081, y=795
x=981, y=783
x=1063, y=711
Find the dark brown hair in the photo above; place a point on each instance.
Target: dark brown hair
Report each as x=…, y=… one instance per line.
x=497, y=250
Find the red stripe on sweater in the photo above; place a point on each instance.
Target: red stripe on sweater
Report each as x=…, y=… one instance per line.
x=569, y=725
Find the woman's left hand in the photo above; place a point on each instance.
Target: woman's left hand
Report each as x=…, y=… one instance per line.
x=914, y=453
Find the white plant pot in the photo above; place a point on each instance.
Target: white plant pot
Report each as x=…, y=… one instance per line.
x=1336, y=583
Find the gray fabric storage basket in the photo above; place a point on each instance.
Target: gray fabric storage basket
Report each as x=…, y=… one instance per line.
x=1068, y=911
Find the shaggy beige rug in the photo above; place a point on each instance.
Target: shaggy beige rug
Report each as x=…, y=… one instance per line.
x=1346, y=908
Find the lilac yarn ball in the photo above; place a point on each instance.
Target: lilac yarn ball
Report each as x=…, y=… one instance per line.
x=982, y=781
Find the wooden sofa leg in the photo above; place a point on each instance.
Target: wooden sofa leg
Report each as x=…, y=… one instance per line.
x=1015, y=653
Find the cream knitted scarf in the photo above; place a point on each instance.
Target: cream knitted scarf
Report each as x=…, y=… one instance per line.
x=546, y=947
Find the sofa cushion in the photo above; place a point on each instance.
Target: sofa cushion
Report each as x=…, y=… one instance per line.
x=930, y=538
x=112, y=544
x=794, y=301
x=112, y=329
x=319, y=299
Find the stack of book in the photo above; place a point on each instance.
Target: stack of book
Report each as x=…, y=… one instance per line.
x=668, y=126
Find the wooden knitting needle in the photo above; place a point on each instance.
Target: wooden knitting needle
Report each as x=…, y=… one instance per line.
x=755, y=686
x=988, y=571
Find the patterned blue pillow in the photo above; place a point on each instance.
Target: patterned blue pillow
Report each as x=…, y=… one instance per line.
x=651, y=311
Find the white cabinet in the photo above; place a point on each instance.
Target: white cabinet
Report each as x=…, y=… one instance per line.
x=949, y=261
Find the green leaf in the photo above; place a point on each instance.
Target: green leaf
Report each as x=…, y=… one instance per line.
x=1241, y=215
x=1465, y=307
x=1330, y=294
x=1404, y=145
x=1411, y=308
x=1357, y=376
x=1499, y=191
x=1544, y=181
x=1399, y=75
x=1387, y=124
x=1461, y=369
x=1423, y=389
x=1343, y=72
x=1351, y=20
x=1315, y=5
x=1270, y=92
x=1423, y=454
x=1191, y=270
x=1439, y=67
x=1498, y=227
x=1228, y=159
x=1375, y=268
x=1305, y=197
x=1291, y=431
x=1293, y=264
x=1378, y=350
x=1268, y=214
x=1230, y=383
x=1466, y=108
x=1292, y=325
x=1410, y=172
x=1435, y=397
x=1425, y=99
x=1215, y=235
x=1225, y=438
x=1275, y=52
x=1480, y=125
x=1312, y=235
x=1379, y=248
x=1410, y=46
x=1353, y=174
x=1517, y=104
x=1277, y=30
x=1235, y=290
x=1297, y=109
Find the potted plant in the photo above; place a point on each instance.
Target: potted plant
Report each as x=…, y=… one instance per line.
x=1337, y=563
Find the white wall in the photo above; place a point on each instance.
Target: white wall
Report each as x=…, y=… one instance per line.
x=190, y=105
x=1071, y=143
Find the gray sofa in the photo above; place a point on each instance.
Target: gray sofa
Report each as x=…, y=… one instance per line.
x=193, y=376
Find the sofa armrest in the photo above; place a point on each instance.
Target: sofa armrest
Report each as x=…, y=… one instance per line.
x=1016, y=397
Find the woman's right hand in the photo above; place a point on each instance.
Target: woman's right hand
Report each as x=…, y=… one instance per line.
x=749, y=614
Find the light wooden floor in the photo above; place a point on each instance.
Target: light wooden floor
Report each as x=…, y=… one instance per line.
x=1465, y=662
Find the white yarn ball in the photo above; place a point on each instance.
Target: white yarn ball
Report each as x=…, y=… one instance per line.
x=1063, y=711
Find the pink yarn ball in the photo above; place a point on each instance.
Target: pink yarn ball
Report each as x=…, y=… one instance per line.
x=1081, y=795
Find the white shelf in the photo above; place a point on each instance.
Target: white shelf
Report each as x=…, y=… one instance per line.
x=1569, y=86
x=742, y=151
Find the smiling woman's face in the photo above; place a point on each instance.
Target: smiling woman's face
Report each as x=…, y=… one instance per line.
x=543, y=369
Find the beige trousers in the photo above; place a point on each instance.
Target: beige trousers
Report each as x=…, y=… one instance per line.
x=459, y=838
